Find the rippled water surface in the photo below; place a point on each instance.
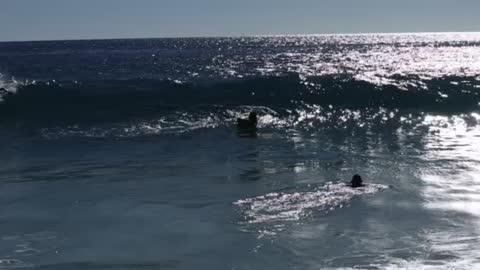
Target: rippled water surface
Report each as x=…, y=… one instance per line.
x=123, y=154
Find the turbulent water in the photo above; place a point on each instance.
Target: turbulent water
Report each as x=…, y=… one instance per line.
x=123, y=154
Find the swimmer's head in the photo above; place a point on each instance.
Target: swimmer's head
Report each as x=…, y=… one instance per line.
x=356, y=181
x=252, y=117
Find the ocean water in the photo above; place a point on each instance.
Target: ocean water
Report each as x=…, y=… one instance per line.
x=123, y=154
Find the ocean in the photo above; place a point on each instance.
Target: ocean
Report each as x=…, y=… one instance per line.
x=124, y=154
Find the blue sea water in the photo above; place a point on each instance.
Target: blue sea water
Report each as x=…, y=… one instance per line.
x=123, y=154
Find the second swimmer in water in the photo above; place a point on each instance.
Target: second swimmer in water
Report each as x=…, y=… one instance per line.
x=249, y=124
x=356, y=181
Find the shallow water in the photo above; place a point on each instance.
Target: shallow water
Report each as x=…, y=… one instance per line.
x=151, y=176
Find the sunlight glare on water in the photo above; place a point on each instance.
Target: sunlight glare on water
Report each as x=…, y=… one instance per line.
x=133, y=144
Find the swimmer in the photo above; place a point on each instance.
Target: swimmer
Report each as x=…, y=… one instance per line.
x=248, y=124
x=356, y=181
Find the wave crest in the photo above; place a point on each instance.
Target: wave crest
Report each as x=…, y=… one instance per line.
x=109, y=100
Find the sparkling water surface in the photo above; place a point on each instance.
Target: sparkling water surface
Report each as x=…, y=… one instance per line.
x=92, y=179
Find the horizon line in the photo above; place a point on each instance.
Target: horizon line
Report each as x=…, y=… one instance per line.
x=243, y=36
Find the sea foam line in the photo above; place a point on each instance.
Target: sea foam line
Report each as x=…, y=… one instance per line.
x=275, y=207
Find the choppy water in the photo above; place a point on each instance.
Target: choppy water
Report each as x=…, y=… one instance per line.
x=122, y=154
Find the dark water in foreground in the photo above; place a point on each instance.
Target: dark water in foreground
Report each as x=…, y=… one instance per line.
x=122, y=154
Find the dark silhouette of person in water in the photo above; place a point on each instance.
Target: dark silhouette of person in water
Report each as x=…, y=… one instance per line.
x=249, y=124
x=356, y=181
x=4, y=93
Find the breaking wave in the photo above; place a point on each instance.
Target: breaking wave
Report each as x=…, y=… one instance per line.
x=110, y=100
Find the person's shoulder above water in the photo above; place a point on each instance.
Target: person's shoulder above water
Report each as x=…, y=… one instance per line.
x=249, y=123
x=356, y=181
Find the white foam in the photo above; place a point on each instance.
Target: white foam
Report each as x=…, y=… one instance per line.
x=6, y=263
x=9, y=84
x=275, y=207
